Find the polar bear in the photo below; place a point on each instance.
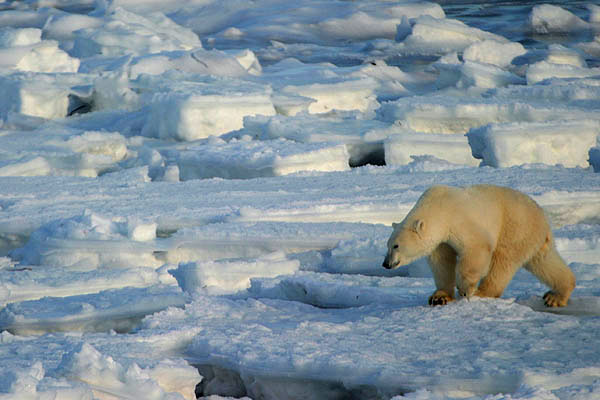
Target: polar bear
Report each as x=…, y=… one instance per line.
x=477, y=238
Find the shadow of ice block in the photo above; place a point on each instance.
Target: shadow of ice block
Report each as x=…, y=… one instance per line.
x=578, y=306
x=558, y=142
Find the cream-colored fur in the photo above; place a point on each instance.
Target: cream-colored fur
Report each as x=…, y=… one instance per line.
x=476, y=239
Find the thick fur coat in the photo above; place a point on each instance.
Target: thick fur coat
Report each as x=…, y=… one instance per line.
x=476, y=239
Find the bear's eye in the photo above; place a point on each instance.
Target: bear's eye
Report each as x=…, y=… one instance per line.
x=395, y=246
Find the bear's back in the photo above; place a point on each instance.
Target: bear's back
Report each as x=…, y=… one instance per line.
x=514, y=209
x=488, y=205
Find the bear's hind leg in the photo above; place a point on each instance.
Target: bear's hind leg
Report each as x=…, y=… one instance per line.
x=443, y=266
x=498, y=277
x=548, y=266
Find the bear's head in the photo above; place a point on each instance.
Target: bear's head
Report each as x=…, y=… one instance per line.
x=403, y=243
x=412, y=239
x=421, y=231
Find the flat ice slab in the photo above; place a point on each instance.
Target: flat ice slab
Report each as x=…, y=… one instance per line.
x=380, y=346
x=61, y=152
x=401, y=148
x=196, y=196
x=88, y=241
x=440, y=36
x=120, y=310
x=259, y=158
x=355, y=94
x=222, y=277
x=35, y=95
x=449, y=114
x=363, y=138
x=123, y=32
x=549, y=18
x=196, y=110
x=560, y=142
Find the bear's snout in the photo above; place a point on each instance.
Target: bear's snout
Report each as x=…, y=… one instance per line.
x=386, y=263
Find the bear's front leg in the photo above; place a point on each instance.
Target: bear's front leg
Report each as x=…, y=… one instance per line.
x=443, y=267
x=466, y=289
x=440, y=298
x=472, y=265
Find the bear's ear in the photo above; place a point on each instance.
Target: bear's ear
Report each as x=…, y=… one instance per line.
x=418, y=226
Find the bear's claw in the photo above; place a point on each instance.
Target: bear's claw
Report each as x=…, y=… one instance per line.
x=440, y=298
x=552, y=299
x=438, y=301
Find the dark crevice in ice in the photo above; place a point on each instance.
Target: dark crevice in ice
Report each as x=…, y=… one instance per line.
x=366, y=154
x=229, y=383
x=223, y=381
x=78, y=106
x=11, y=241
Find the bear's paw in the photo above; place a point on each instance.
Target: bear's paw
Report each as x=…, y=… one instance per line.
x=553, y=299
x=440, y=298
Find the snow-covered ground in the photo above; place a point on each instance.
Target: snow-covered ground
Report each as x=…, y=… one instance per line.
x=195, y=197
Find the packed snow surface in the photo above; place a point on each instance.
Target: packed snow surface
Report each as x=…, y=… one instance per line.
x=195, y=197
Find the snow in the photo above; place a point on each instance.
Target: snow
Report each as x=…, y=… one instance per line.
x=124, y=32
x=547, y=18
x=546, y=70
x=23, y=50
x=442, y=36
x=109, y=379
x=10, y=37
x=195, y=197
x=493, y=52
